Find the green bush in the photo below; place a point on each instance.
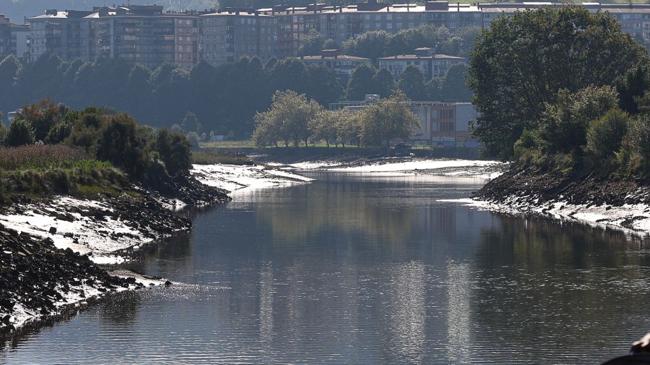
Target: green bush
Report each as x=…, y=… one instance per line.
x=120, y=145
x=58, y=133
x=634, y=155
x=605, y=135
x=174, y=151
x=20, y=134
x=3, y=133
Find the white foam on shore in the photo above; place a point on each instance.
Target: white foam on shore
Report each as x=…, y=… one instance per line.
x=242, y=178
x=629, y=218
x=99, y=238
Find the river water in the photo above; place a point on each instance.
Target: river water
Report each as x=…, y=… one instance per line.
x=367, y=270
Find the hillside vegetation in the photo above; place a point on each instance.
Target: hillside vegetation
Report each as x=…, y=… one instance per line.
x=51, y=149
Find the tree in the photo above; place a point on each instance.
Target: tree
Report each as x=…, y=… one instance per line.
x=43, y=116
x=20, y=133
x=348, y=129
x=454, y=87
x=361, y=82
x=3, y=132
x=370, y=44
x=174, y=151
x=324, y=125
x=191, y=123
x=605, y=135
x=563, y=125
x=287, y=119
x=520, y=63
x=386, y=120
x=412, y=84
x=323, y=85
x=120, y=144
x=313, y=44
x=384, y=83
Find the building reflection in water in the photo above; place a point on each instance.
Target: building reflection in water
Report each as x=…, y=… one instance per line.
x=459, y=289
x=407, y=310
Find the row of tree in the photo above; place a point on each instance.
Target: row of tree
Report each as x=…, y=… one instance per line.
x=145, y=154
x=366, y=79
x=224, y=99
x=564, y=90
x=294, y=119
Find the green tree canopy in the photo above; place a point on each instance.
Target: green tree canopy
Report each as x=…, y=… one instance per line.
x=386, y=120
x=287, y=119
x=384, y=83
x=20, y=133
x=412, y=84
x=361, y=82
x=521, y=62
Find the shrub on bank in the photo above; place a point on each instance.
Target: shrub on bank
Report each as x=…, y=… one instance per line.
x=20, y=133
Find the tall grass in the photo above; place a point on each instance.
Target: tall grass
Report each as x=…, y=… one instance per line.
x=38, y=157
x=42, y=170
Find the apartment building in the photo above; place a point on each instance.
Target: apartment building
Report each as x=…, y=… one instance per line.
x=5, y=36
x=136, y=34
x=148, y=35
x=20, y=41
x=342, y=65
x=227, y=36
x=431, y=65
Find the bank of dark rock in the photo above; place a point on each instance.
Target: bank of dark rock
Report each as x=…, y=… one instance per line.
x=537, y=186
x=36, y=276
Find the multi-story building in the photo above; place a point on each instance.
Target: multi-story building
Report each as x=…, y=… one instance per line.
x=56, y=33
x=342, y=65
x=147, y=35
x=141, y=34
x=431, y=65
x=20, y=41
x=5, y=36
x=230, y=35
x=136, y=34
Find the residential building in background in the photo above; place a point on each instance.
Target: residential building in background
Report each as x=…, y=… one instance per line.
x=146, y=34
x=5, y=36
x=342, y=65
x=227, y=36
x=20, y=41
x=431, y=65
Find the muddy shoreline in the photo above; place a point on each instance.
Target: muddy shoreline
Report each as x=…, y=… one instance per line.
x=621, y=204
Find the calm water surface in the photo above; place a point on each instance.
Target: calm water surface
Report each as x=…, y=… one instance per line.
x=367, y=271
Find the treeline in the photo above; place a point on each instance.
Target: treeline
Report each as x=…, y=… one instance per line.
x=573, y=98
x=380, y=43
x=295, y=119
x=224, y=99
x=147, y=156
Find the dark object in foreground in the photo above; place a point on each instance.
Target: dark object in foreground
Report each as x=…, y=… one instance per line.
x=640, y=354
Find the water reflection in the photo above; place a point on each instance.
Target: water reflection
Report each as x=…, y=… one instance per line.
x=355, y=270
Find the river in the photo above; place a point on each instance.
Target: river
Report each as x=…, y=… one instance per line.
x=366, y=270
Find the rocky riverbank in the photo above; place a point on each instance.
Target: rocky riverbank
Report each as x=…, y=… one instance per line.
x=621, y=204
x=39, y=280
x=50, y=248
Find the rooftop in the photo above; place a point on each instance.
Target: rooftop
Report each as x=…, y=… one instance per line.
x=407, y=57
